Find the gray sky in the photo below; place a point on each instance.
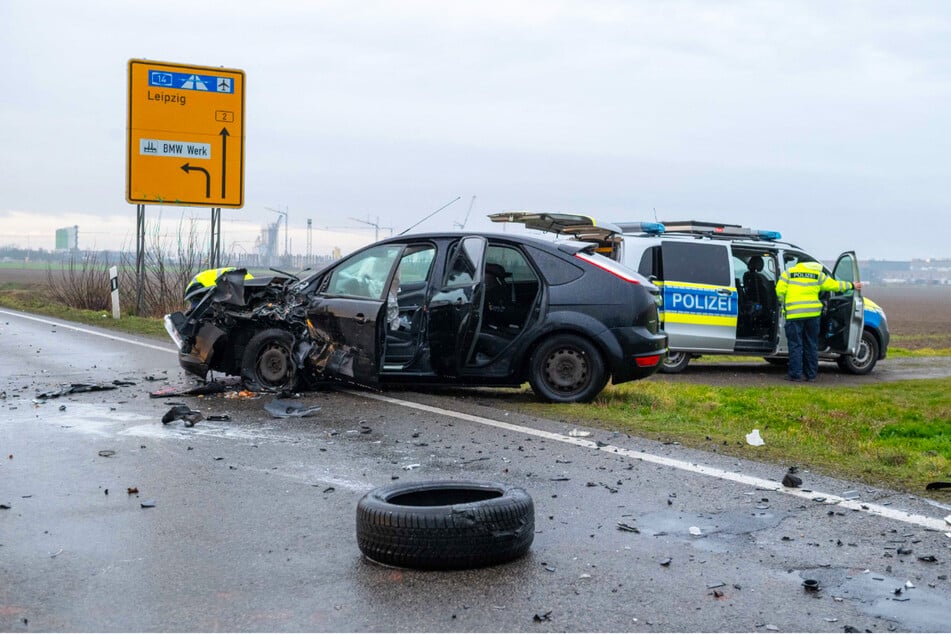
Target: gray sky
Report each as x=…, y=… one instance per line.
x=828, y=121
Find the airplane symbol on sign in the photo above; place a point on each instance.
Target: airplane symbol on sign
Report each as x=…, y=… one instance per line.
x=224, y=85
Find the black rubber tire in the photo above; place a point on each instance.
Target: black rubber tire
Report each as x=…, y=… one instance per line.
x=865, y=357
x=567, y=369
x=445, y=525
x=268, y=362
x=675, y=362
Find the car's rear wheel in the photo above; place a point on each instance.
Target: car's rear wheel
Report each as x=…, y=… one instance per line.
x=567, y=369
x=268, y=363
x=675, y=362
x=864, y=358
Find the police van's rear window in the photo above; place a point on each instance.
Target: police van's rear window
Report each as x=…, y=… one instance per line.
x=697, y=263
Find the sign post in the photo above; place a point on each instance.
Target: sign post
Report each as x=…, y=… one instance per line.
x=185, y=135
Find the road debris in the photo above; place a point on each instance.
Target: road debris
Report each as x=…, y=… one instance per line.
x=107, y=453
x=666, y=562
x=280, y=408
x=695, y=531
x=753, y=438
x=74, y=388
x=577, y=433
x=621, y=526
x=147, y=504
x=791, y=480
x=203, y=389
x=182, y=412
x=539, y=618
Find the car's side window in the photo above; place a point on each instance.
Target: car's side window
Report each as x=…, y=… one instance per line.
x=697, y=263
x=650, y=264
x=462, y=268
x=365, y=274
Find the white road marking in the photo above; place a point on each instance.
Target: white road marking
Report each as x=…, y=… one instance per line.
x=86, y=331
x=924, y=521
x=713, y=472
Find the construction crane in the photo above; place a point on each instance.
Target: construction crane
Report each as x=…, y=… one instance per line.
x=375, y=225
x=287, y=239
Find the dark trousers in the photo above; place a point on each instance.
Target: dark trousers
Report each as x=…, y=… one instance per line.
x=803, y=338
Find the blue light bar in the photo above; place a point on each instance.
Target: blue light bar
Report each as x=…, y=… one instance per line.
x=769, y=235
x=653, y=228
x=650, y=228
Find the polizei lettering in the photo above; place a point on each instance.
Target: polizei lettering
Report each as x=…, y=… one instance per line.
x=164, y=97
x=701, y=303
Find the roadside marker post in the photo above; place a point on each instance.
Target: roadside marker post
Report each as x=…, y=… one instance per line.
x=114, y=285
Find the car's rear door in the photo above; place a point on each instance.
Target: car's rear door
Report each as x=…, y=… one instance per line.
x=699, y=297
x=455, y=309
x=844, y=316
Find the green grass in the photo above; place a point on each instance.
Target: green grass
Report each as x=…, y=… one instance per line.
x=896, y=435
x=34, y=302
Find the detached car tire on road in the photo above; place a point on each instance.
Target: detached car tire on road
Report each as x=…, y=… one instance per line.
x=445, y=525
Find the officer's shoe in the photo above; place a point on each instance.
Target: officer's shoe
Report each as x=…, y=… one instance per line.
x=811, y=379
x=795, y=379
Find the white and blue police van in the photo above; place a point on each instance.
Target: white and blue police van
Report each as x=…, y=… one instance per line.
x=718, y=288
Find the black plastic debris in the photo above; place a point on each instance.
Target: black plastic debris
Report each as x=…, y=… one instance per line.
x=122, y=383
x=666, y=562
x=107, y=453
x=627, y=528
x=930, y=559
x=810, y=585
x=934, y=486
x=791, y=480
x=5, y=507
x=540, y=618
x=148, y=504
x=279, y=408
x=203, y=389
x=218, y=417
x=75, y=388
x=182, y=412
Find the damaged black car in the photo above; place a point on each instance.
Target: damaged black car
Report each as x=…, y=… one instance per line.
x=449, y=308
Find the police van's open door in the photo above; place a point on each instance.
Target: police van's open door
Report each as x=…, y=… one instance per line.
x=844, y=316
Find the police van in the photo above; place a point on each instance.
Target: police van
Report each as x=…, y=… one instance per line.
x=718, y=288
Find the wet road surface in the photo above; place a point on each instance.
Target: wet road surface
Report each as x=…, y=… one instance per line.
x=252, y=527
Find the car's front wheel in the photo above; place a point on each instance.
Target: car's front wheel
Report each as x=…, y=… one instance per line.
x=864, y=358
x=567, y=369
x=268, y=362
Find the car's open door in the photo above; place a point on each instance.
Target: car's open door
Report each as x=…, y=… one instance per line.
x=584, y=228
x=844, y=314
x=347, y=316
x=455, y=310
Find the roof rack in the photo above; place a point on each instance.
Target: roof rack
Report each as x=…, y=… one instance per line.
x=717, y=229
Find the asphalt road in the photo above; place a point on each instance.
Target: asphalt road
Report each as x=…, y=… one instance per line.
x=248, y=524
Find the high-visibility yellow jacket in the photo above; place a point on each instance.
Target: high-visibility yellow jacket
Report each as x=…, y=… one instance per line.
x=208, y=277
x=799, y=286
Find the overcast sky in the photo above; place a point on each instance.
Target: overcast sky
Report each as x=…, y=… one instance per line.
x=828, y=121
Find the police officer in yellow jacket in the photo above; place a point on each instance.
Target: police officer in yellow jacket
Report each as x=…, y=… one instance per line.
x=798, y=290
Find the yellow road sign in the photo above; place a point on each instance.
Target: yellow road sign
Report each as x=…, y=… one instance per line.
x=185, y=135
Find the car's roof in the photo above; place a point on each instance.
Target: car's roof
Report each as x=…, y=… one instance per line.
x=567, y=246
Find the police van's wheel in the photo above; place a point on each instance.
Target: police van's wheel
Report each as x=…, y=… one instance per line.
x=567, y=369
x=865, y=357
x=675, y=362
x=268, y=362
x=445, y=525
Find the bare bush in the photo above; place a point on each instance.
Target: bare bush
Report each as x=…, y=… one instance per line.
x=80, y=282
x=169, y=264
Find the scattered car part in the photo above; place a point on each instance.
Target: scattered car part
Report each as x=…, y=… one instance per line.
x=445, y=525
x=182, y=412
x=279, y=408
x=75, y=388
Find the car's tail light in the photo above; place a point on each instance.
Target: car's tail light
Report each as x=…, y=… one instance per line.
x=647, y=362
x=610, y=266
